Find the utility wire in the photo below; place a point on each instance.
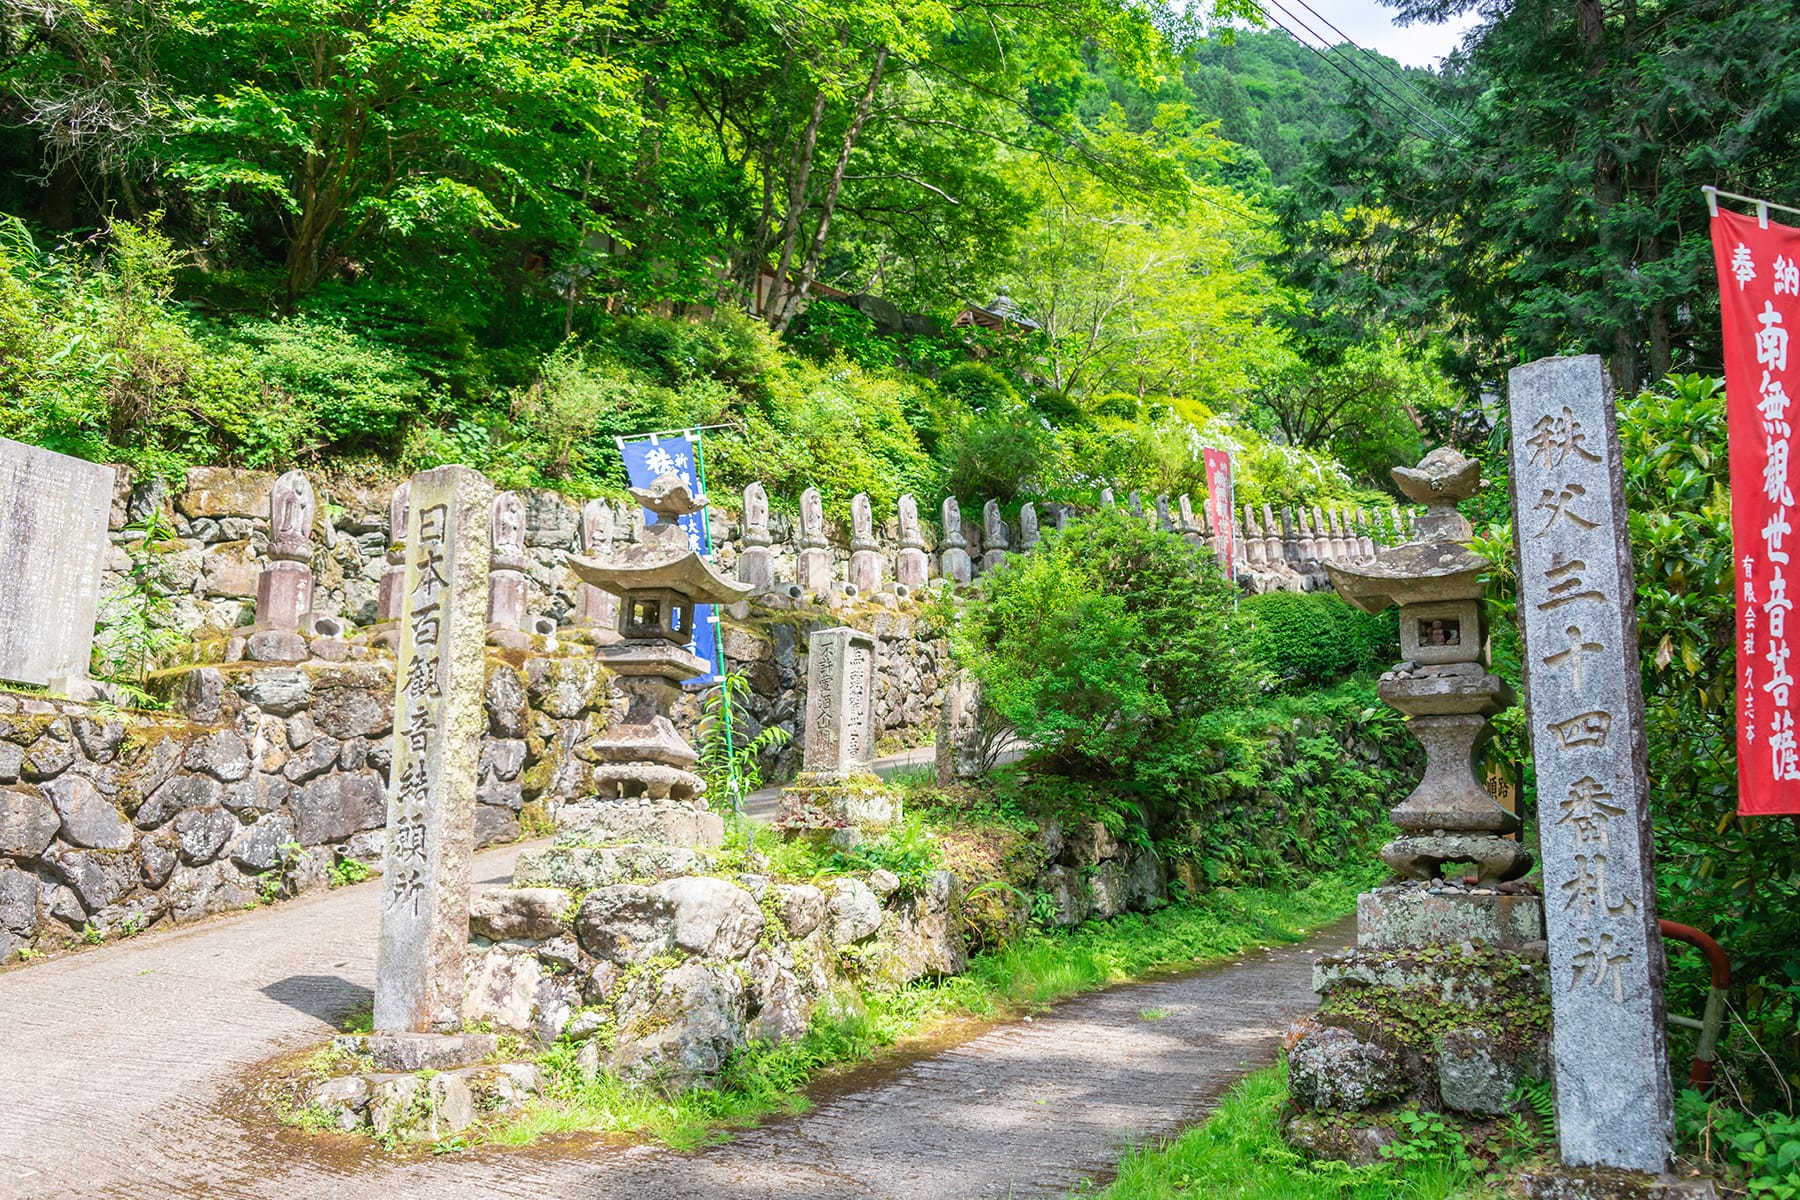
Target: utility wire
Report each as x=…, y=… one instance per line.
x=1368, y=78
x=1394, y=70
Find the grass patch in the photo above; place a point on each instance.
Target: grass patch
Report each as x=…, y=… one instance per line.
x=1239, y=1154
x=848, y=1028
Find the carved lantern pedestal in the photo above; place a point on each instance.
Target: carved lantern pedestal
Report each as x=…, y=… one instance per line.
x=648, y=815
x=1444, y=999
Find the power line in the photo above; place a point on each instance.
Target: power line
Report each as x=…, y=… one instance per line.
x=1368, y=78
x=1392, y=69
x=1329, y=61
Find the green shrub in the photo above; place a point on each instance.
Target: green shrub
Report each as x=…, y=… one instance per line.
x=1005, y=451
x=978, y=386
x=1314, y=637
x=1101, y=643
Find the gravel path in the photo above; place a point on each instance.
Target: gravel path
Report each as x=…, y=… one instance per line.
x=121, y=1076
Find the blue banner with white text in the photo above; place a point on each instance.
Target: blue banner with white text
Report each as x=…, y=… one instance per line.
x=644, y=461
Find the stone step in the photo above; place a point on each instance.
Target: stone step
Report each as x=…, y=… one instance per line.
x=584, y=868
x=599, y=822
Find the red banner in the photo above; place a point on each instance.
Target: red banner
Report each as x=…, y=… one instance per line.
x=1219, y=508
x=1759, y=301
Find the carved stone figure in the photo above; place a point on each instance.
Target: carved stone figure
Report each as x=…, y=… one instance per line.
x=954, y=561
x=284, y=588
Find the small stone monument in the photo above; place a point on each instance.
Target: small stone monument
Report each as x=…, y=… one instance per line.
x=993, y=536
x=1578, y=604
x=1106, y=498
x=53, y=517
x=1162, y=512
x=865, y=554
x=756, y=564
x=439, y=719
x=911, y=567
x=597, y=608
x=954, y=562
x=815, y=551
x=284, y=588
x=840, y=709
x=393, y=579
x=837, y=788
x=506, y=585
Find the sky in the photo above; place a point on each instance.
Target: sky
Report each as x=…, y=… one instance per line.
x=1371, y=26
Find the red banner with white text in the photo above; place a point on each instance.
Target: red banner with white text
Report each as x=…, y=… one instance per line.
x=1759, y=300
x=1219, y=508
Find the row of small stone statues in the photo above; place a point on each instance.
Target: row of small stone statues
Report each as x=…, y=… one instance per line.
x=1298, y=544
x=1295, y=542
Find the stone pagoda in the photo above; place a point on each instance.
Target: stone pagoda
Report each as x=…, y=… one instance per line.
x=647, y=797
x=1443, y=1000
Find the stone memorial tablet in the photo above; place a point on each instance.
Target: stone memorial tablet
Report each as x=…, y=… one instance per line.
x=53, y=516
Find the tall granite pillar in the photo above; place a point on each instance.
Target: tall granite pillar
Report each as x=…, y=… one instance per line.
x=755, y=565
x=284, y=588
x=439, y=718
x=506, y=585
x=911, y=568
x=866, y=561
x=1578, y=603
x=815, y=551
x=392, y=596
x=954, y=561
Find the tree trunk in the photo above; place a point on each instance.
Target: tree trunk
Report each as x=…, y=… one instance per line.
x=804, y=153
x=790, y=307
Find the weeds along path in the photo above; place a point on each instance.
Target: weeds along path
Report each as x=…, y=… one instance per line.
x=121, y=1075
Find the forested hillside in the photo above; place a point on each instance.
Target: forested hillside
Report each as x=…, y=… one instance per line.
x=368, y=238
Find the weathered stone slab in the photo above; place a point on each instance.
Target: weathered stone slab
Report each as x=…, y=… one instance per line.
x=53, y=516
x=438, y=722
x=840, y=703
x=1579, y=614
x=1405, y=917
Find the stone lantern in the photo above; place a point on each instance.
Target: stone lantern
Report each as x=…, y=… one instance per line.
x=658, y=582
x=1443, y=685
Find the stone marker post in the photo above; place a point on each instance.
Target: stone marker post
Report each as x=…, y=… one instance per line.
x=1613, y=1106
x=53, y=515
x=438, y=722
x=840, y=704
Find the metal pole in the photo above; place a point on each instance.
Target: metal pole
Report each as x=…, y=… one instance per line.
x=718, y=641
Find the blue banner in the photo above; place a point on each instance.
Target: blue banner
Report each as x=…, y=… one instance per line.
x=644, y=461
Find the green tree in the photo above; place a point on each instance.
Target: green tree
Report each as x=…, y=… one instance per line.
x=1100, y=644
x=353, y=118
x=1566, y=213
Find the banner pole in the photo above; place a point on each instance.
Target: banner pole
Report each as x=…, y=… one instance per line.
x=731, y=770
